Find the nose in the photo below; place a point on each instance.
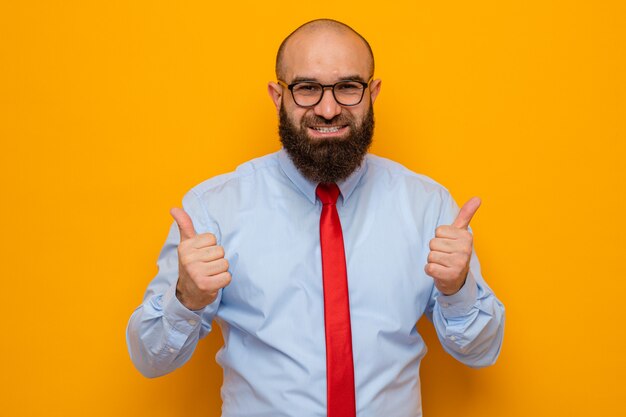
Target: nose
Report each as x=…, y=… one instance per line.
x=328, y=107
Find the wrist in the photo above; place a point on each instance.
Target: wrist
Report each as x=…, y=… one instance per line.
x=449, y=292
x=192, y=304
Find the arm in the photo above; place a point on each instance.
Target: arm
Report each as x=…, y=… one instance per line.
x=162, y=332
x=468, y=318
x=469, y=323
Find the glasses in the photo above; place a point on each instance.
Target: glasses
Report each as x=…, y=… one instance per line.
x=309, y=94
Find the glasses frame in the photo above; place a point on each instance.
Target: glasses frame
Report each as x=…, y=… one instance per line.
x=324, y=87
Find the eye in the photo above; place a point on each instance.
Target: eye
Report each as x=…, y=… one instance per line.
x=306, y=88
x=348, y=87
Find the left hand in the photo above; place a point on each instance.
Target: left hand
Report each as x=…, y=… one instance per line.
x=451, y=250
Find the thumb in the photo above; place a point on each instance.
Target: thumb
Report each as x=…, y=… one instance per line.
x=468, y=210
x=185, y=225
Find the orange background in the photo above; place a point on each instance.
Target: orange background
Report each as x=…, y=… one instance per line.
x=111, y=110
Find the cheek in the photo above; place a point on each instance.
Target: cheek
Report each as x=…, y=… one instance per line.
x=357, y=116
x=299, y=116
x=292, y=114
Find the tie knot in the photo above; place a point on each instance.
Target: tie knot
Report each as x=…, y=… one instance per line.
x=327, y=193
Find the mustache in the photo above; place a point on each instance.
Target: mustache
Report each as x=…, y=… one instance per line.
x=340, y=119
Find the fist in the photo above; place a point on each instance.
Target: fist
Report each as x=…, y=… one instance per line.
x=451, y=250
x=202, y=268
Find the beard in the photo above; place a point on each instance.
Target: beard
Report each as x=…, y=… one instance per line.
x=326, y=160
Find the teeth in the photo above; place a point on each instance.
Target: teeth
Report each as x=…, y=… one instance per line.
x=327, y=129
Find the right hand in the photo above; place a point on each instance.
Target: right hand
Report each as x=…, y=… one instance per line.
x=202, y=268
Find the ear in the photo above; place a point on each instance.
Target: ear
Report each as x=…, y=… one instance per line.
x=375, y=89
x=276, y=94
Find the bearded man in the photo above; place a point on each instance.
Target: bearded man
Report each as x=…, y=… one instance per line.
x=317, y=261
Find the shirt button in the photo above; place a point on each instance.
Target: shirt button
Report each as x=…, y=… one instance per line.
x=172, y=350
x=192, y=322
x=445, y=304
x=453, y=338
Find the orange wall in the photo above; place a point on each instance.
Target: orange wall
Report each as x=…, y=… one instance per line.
x=111, y=110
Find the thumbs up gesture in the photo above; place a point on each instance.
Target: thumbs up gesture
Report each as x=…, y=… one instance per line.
x=451, y=249
x=202, y=268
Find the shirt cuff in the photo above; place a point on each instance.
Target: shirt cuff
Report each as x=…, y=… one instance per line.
x=177, y=315
x=462, y=301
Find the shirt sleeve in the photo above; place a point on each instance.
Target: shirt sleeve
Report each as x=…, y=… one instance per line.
x=162, y=333
x=469, y=323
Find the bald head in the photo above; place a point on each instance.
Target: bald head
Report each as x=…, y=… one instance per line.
x=318, y=28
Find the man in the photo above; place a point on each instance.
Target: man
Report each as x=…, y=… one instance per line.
x=317, y=261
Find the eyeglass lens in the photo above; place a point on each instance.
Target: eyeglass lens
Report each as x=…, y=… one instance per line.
x=347, y=93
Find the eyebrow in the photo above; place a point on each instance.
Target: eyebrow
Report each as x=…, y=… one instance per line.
x=352, y=77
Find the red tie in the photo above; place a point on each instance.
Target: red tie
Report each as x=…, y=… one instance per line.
x=339, y=365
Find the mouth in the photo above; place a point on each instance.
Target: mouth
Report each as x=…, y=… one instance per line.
x=327, y=131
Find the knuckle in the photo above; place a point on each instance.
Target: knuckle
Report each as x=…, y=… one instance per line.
x=219, y=251
x=440, y=230
x=224, y=264
x=218, y=266
x=206, y=284
x=207, y=238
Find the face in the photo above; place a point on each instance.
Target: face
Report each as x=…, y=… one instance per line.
x=328, y=141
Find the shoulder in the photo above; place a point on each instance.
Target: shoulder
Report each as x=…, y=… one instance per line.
x=244, y=174
x=394, y=174
x=402, y=188
x=218, y=198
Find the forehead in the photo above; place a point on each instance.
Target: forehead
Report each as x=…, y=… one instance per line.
x=326, y=56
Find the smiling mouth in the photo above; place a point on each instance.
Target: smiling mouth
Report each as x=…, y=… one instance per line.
x=327, y=129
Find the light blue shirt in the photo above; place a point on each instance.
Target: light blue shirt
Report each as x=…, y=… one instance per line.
x=266, y=216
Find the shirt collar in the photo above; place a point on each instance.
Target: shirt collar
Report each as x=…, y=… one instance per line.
x=307, y=187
